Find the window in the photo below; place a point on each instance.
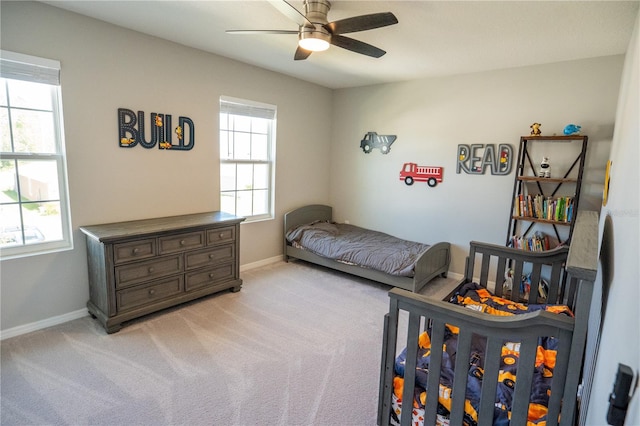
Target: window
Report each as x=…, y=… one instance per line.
x=34, y=212
x=247, y=152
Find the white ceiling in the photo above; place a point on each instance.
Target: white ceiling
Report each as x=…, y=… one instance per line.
x=432, y=38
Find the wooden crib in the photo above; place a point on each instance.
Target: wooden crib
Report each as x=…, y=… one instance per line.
x=570, y=274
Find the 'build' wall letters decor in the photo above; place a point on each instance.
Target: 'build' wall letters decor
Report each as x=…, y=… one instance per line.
x=473, y=160
x=161, y=132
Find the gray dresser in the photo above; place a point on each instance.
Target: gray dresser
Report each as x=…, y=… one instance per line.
x=142, y=266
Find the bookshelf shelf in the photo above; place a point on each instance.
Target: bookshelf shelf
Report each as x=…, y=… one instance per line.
x=550, y=202
x=534, y=219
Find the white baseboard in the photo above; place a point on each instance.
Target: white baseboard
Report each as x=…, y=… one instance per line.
x=39, y=325
x=263, y=262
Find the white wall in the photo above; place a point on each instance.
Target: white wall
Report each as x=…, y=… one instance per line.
x=104, y=68
x=621, y=332
x=432, y=116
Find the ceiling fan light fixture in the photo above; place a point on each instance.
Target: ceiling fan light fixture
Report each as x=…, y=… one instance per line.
x=314, y=39
x=313, y=44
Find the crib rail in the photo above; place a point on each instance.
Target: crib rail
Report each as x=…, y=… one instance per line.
x=524, y=329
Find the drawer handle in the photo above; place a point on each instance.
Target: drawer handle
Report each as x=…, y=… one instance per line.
x=211, y=275
x=152, y=292
x=181, y=242
x=135, y=251
x=221, y=235
x=211, y=256
x=151, y=269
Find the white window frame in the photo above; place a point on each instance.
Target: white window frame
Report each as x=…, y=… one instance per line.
x=235, y=106
x=18, y=66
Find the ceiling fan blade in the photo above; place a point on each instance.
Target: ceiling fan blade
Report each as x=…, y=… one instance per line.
x=301, y=54
x=356, y=46
x=291, y=12
x=361, y=23
x=261, y=32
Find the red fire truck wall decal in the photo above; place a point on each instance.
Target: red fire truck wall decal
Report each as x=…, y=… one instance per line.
x=411, y=172
x=374, y=140
x=474, y=159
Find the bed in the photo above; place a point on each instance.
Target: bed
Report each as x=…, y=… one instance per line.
x=520, y=366
x=428, y=261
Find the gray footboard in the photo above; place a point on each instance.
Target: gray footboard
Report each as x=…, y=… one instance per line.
x=572, y=285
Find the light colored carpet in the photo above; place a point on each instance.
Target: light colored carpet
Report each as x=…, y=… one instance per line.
x=298, y=345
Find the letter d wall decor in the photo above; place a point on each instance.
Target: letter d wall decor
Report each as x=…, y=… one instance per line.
x=131, y=131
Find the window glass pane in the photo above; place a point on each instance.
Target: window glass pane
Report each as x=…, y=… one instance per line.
x=245, y=177
x=261, y=176
x=3, y=92
x=242, y=146
x=226, y=148
x=42, y=222
x=227, y=177
x=5, y=142
x=33, y=131
x=260, y=202
x=224, y=124
x=38, y=180
x=25, y=94
x=10, y=230
x=8, y=182
x=259, y=147
x=228, y=202
x=260, y=125
x=241, y=123
x=244, y=202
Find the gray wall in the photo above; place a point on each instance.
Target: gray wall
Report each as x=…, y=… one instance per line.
x=104, y=68
x=432, y=116
x=619, y=239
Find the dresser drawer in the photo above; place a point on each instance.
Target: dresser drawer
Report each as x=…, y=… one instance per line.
x=209, y=257
x=221, y=235
x=130, y=274
x=212, y=276
x=147, y=294
x=134, y=250
x=180, y=242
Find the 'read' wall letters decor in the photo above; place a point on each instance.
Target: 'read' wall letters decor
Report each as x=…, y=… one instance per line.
x=131, y=131
x=474, y=159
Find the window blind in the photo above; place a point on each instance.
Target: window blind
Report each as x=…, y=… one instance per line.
x=230, y=106
x=18, y=66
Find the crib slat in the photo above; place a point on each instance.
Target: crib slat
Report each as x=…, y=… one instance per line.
x=410, y=368
x=559, y=377
x=501, y=268
x=388, y=359
x=490, y=380
x=517, y=279
x=524, y=378
x=463, y=354
x=555, y=283
x=484, y=271
x=435, y=366
x=535, y=282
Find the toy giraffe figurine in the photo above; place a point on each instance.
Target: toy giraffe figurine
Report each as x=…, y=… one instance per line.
x=535, y=129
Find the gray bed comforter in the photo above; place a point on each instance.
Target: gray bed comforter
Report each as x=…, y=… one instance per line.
x=358, y=246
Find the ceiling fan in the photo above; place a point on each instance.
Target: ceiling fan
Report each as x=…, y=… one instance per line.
x=316, y=33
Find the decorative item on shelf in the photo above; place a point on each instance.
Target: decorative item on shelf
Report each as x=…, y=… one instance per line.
x=572, y=129
x=374, y=140
x=411, y=172
x=535, y=129
x=545, y=168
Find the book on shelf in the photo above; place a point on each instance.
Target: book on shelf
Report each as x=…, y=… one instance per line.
x=558, y=209
x=537, y=242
